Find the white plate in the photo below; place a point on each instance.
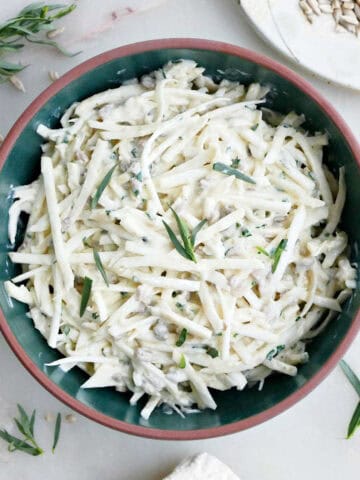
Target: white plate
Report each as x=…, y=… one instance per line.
x=316, y=47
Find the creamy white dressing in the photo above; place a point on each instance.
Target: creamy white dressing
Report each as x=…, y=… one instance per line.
x=270, y=258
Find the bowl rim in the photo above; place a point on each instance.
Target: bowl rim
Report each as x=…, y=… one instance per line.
x=142, y=47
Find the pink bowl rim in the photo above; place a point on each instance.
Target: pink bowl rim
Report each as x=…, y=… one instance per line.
x=141, y=47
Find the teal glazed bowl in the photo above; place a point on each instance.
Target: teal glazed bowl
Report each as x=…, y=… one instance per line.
x=20, y=160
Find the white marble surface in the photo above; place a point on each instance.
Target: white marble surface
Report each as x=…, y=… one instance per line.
x=305, y=442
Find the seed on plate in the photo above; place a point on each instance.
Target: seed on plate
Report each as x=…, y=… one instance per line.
x=54, y=33
x=1, y=139
x=326, y=8
x=340, y=29
x=17, y=83
x=314, y=6
x=357, y=11
x=350, y=17
x=305, y=7
x=70, y=418
x=348, y=5
x=49, y=417
x=53, y=75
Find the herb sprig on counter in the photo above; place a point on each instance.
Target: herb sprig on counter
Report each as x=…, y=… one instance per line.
x=56, y=432
x=29, y=25
x=355, y=382
x=25, y=425
x=187, y=248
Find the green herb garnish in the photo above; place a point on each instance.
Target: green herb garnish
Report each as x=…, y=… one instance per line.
x=100, y=266
x=85, y=296
x=34, y=19
x=222, y=168
x=263, y=251
x=274, y=352
x=277, y=254
x=212, y=352
x=103, y=184
x=56, y=431
x=25, y=425
x=182, y=337
x=246, y=233
x=182, y=363
x=235, y=162
x=186, y=249
x=355, y=382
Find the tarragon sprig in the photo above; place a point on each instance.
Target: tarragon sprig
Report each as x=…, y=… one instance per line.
x=275, y=255
x=25, y=425
x=29, y=25
x=187, y=248
x=355, y=382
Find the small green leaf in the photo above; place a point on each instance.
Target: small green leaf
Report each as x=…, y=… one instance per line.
x=51, y=43
x=226, y=170
x=351, y=376
x=263, y=251
x=354, y=422
x=100, y=266
x=182, y=363
x=212, y=352
x=175, y=241
x=185, y=235
x=182, y=337
x=277, y=254
x=32, y=422
x=56, y=431
x=18, y=444
x=85, y=296
x=103, y=184
x=196, y=230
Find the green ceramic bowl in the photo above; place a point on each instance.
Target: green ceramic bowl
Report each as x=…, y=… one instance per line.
x=19, y=157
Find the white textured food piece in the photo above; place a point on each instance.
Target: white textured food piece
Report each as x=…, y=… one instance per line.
x=211, y=238
x=202, y=467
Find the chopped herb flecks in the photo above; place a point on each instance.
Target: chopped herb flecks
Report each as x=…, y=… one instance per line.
x=182, y=363
x=274, y=352
x=182, y=337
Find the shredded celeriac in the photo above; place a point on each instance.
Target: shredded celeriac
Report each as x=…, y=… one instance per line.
x=270, y=260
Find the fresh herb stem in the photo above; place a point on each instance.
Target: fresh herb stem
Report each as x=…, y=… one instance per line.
x=85, y=296
x=355, y=382
x=187, y=248
x=226, y=170
x=277, y=254
x=56, y=432
x=100, y=266
x=25, y=425
x=103, y=184
x=33, y=20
